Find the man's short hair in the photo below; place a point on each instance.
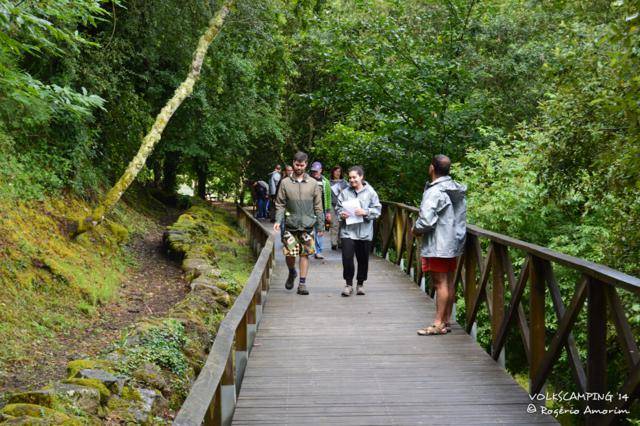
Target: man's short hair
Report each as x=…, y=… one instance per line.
x=441, y=164
x=358, y=169
x=300, y=157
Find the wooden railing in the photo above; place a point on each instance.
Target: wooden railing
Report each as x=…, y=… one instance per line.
x=212, y=398
x=598, y=285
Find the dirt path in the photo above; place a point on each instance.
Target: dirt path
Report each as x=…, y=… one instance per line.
x=150, y=289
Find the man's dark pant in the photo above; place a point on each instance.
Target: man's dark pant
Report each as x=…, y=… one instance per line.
x=361, y=249
x=272, y=208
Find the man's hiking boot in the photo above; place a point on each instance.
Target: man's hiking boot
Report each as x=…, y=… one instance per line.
x=348, y=290
x=290, y=279
x=360, y=290
x=302, y=289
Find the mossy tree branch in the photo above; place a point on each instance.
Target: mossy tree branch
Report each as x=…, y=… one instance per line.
x=153, y=136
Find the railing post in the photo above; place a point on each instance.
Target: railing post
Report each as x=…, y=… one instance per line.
x=252, y=326
x=228, y=392
x=470, y=268
x=537, y=326
x=242, y=353
x=497, y=300
x=258, y=297
x=597, y=347
x=214, y=413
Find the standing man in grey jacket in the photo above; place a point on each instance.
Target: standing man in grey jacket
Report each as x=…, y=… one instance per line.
x=359, y=204
x=442, y=223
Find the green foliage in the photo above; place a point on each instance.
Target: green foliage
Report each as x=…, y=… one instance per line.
x=161, y=345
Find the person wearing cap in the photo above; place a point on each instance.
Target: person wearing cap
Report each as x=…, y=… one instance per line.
x=325, y=187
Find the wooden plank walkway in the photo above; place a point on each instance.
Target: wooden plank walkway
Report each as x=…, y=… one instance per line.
x=325, y=359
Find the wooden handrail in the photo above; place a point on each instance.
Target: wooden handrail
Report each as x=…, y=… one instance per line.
x=595, y=270
x=207, y=402
x=483, y=281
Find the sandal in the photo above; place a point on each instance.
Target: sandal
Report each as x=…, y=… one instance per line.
x=433, y=330
x=447, y=326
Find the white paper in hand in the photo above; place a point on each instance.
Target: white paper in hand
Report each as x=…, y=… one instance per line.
x=350, y=207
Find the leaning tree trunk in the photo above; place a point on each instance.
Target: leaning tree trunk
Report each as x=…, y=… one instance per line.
x=151, y=139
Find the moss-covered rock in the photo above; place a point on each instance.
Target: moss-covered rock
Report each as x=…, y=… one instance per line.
x=74, y=367
x=46, y=398
x=74, y=397
x=111, y=381
x=150, y=375
x=36, y=411
x=92, y=383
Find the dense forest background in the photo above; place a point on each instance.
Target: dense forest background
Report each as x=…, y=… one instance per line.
x=536, y=101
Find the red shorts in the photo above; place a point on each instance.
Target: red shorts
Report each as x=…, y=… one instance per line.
x=439, y=264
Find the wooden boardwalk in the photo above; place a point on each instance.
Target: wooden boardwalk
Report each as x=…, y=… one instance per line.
x=325, y=359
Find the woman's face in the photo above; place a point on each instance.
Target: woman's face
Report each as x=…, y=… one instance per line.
x=355, y=179
x=336, y=174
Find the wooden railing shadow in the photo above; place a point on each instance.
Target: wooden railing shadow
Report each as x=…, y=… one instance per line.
x=598, y=285
x=212, y=398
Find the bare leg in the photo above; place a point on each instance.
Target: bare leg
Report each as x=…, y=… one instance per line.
x=452, y=296
x=439, y=280
x=304, y=266
x=291, y=262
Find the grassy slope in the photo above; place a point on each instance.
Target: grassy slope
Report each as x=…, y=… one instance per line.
x=51, y=285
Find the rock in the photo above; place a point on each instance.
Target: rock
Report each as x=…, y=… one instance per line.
x=40, y=397
x=135, y=405
x=142, y=411
x=150, y=374
x=194, y=267
x=83, y=397
x=92, y=383
x=207, y=283
x=112, y=382
x=33, y=410
x=74, y=367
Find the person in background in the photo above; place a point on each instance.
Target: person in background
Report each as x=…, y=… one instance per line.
x=337, y=185
x=442, y=223
x=262, y=198
x=325, y=187
x=299, y=206
x=288, y=170
x=274, y=180
x=357, y=237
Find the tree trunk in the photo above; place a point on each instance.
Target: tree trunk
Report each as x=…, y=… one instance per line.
x=203, y=174
x=151, y=139
x=170, y=171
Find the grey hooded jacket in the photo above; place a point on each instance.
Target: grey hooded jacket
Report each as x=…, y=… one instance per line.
x=369, y=201
x=443, y=218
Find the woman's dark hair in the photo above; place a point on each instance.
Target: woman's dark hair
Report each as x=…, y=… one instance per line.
x=333, y=171
x=358, y=169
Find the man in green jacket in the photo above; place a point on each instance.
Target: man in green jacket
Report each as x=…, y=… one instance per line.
x=299, y=203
